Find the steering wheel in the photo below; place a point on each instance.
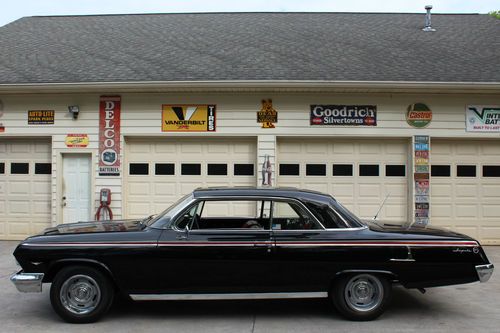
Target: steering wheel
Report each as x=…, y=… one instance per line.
x=252, y=224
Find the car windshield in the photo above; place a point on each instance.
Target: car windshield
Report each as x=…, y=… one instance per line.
x=161, y=218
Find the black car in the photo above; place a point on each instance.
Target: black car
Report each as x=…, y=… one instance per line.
x=243, y=243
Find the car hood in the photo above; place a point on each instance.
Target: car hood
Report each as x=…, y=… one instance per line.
x=392, y=227
x=94, y=226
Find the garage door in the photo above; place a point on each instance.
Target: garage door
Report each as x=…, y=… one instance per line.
x=358, y=173
x=25, y=182
x=160, y=171
x=465, y=187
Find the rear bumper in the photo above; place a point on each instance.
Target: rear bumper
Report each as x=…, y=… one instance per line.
x=28, y=282
x=484, y=272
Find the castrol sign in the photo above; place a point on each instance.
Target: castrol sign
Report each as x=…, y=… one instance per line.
x=109, y=135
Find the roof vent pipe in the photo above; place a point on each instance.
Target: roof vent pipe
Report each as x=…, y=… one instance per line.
x=428, y=26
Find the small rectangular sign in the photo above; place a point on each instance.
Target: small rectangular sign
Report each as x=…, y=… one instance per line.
x=422, y=221
x=41, y=117
x=77, y=140
x=422, y=168
x=188, y=118
x=421, y=199
x=421, y=146
x=482, y=118
x=422, y=187
x=343, y=115
x=109, y=135
x=421, y=139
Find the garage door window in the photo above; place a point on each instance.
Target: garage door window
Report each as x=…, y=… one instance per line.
x=43, y=168
x=342, y=170
x=491, y=170
x=164, y=169
x=243, y=169
x=19, y=168
x=191, y=169
x=315, y=169
x=395, y=170
x=138, y=169
x=440, y=170
x=368, y=170
x=2, y=168
x=289, y=169
x=217, y=169
x=466, y=171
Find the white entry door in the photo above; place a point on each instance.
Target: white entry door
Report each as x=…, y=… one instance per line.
x=76, y=188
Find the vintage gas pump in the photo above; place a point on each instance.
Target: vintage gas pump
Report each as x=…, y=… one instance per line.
x=104, y=212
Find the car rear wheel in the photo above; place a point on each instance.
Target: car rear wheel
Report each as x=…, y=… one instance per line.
x=361, y=296
x=81, y=294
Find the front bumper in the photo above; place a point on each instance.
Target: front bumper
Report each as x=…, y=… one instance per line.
x=28, y=282
x=484, y=272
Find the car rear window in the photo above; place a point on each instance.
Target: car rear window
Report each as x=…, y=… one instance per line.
x=325, y=214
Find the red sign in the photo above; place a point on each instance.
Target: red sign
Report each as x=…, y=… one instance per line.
x=109, y=135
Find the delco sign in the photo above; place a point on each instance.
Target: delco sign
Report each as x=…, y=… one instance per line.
x=109, y=136
x=344, y=115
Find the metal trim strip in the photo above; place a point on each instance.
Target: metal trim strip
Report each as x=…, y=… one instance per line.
x=231, y=296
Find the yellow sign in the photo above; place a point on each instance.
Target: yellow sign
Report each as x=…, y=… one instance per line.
x=188, y=118
x=77, y=140
x=267, y=115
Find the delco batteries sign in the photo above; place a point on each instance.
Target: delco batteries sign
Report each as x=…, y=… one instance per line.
x=343, y=115
x=109, y=136
x=188, y=118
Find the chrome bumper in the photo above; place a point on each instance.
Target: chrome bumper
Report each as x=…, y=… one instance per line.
x=484, y=272
x=28, y=282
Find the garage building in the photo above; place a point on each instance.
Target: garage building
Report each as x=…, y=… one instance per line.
x=153, y=106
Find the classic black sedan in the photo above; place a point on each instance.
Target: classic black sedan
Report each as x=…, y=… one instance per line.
x=243, y=243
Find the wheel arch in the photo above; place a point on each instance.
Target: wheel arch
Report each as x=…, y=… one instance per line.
x=391, y=276
x=57, y=265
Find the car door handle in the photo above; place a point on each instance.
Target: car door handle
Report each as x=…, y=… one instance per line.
x=181, y=237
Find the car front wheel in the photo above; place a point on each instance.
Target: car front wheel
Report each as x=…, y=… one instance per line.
x=361, y=296
x=81, y=294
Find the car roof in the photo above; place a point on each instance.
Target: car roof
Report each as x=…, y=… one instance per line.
x=284, y=192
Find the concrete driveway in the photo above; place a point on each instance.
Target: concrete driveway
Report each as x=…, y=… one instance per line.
x=464, y=308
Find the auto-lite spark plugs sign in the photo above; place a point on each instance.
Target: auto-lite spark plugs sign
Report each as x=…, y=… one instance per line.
x=343, y=115
x=109, y=136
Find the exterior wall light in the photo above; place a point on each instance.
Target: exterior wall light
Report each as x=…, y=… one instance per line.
x=74, y=110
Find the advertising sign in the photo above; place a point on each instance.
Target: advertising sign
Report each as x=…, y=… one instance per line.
x=482, y=118
x=77, y=140
x=40, y=117
x=421, y=176
x=188, y=118
x=267, y=116
x=343, y=115
x=109, y=135
x=418, y=115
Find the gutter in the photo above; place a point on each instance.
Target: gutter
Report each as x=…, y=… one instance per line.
x=254, y=85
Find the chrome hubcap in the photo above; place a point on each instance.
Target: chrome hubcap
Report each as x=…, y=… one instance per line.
x=80, y=294
x=363, y=292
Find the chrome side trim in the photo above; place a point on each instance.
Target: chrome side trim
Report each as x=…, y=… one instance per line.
x=402, y=260
x=28, y=282
x=484, y=272
x=193, y=297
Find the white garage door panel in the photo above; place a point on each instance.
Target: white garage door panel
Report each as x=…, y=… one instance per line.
x=152, y=193
x=362, y=194
x=24, y=198
x=470, y=205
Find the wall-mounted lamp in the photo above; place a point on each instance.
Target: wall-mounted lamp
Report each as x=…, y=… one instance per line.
x=74, y=110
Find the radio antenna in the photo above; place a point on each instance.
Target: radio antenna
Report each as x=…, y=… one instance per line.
x=382, y=205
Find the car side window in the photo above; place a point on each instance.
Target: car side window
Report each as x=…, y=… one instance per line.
x=291, y=216
x=188, y=217
x=232, y=214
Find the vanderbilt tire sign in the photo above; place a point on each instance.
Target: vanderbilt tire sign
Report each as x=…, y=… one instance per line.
x=188, y=118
